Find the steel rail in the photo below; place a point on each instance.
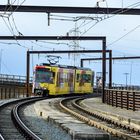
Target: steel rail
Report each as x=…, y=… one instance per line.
x=101, y=116
x=97, y=124
x=8, y=104
x=1, y=137
x=19, y=123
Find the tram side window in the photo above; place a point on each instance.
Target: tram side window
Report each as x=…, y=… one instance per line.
x=89, y=78
x=86, y=78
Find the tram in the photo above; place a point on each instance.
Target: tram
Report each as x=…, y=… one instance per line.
x=54, y=80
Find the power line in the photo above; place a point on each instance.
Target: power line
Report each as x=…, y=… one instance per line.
x=116, y=13
x=15, y=25
x=10, y=28
x=40, y=45
x=96, y=18
x=124, y=35
x=5, y=43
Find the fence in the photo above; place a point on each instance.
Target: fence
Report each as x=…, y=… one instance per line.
x=123, y=98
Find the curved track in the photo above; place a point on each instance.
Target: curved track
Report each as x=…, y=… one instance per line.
x=73, y=106
x=11, y=125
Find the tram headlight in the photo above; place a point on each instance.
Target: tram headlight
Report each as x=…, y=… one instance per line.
x=37, y=85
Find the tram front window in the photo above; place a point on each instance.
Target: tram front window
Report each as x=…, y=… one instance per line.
x=44, y=76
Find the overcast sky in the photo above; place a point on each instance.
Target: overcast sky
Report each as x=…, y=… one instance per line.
x=122, y=34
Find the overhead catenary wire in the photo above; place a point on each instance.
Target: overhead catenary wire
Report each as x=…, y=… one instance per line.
x=132, y=30
x=8, y=43
x=134, y=5
x=6, y=10
x=16, y=26
x=12, y=32
x=70, y=17
x=10, y=6
x=100, y=18
x=96, y=18
x=107, y=17
x=35, y=43
x=123, y=53
x=118, y=62
x=9, y=25
x=60, y=43
x=116, y=13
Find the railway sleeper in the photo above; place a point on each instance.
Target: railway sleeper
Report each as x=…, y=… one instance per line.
x=107, y=129
x=119, y=124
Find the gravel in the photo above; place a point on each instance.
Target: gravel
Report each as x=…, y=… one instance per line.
x=46, y=130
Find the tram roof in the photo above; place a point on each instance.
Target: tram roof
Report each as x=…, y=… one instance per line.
x=64, y=66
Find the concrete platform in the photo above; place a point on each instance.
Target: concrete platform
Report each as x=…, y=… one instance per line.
x=124, y=116
x=76, y=129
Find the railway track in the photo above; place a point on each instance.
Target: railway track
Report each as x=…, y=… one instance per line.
x=72, y=105
x=11, y=124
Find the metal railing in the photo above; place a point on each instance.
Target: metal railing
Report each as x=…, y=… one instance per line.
x=123, y=98
x=124, y=87
x=13, y=79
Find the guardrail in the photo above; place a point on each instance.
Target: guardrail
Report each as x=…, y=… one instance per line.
x=123, y=98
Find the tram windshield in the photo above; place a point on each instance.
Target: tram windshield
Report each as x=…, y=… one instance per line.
x=44, y=76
